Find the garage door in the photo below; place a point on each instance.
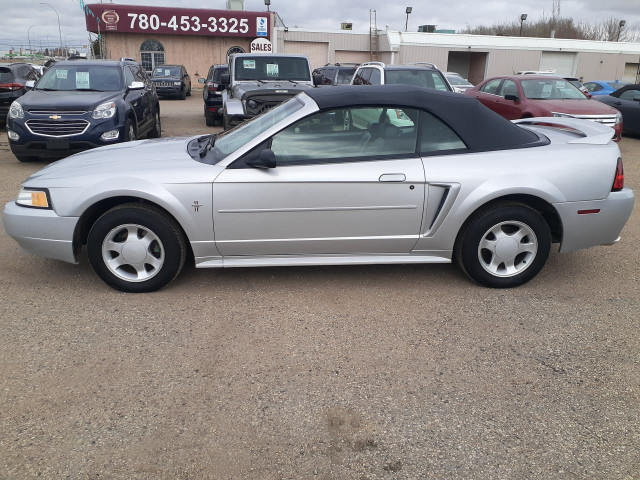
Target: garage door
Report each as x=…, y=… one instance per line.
x=562, y=62
x=630, y=72
x=352, y=56
x=316, y=51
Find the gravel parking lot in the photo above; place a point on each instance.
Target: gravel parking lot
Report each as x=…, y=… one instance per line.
x=371, y=372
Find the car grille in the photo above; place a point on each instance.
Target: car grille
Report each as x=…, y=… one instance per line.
x=163, y=84
x=57, y=128
x=57, y=112
x=608, y=120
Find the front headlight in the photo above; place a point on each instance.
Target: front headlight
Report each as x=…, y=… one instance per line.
x=16, y=111
x=106, y=110
x=177, y=83
x=252, y=104
x=33, y=198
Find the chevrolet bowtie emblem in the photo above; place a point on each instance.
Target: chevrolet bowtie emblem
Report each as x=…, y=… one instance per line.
x=55, y=117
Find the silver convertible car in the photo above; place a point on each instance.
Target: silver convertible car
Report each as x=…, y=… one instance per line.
x=339, y=176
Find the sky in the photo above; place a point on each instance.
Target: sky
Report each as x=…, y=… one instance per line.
x=18, y=15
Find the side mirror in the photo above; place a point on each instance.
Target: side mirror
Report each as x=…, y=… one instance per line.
x=513, y=98
x=136, y=86
x=317, y=79
x=30, y=84
x=636, y=96
x=265, y=159
x=225, y=79
x=202, y=80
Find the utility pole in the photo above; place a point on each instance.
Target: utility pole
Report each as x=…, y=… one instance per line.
x=59, y=29
x=523, y=17
x=29, y=37
x=407, y=11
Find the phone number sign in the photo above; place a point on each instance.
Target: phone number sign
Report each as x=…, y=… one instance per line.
x=179, y=21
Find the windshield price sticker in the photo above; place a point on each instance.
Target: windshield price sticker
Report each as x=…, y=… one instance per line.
x=546, y=90
x=82, y=80
x=250, y=64
x=61, y=74
x=272, y=69
x=167, y=72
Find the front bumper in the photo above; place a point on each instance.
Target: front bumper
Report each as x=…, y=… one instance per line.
x=588, y=230
x=34, y=145
x=41, y=232
x=169, y=91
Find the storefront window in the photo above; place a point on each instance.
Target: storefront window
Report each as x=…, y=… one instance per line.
x=151, y=55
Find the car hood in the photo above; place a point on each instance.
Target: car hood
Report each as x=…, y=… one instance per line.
x=576, y=107
x=240, y=89
x=77, y=100
x=165, y=159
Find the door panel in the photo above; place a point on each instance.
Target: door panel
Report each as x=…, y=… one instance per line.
x=334, y=208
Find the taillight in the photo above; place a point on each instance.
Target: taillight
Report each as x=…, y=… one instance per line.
x=211, y=87
x=12, y=86
x=618, y=182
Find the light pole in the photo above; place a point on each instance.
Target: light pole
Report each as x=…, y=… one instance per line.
x=59, y=29
x=620, y=25
x=523, y=17
x=267, y=3
x=29, y=37
x=406, y=24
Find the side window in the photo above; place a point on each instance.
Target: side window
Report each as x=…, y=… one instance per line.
x=328, y=75
x=629, y=94
x=438, y=83
x=348, y=134
x=597, y=87
x=137, y=73
x=436, y=136
x=491, y=86
x=376, y=77
x=508, y=88
x=128, y=76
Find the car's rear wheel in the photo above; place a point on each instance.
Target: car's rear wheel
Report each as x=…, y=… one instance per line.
x=504, y=245
x=156, y=130
x=135, y=248
x=210, y=120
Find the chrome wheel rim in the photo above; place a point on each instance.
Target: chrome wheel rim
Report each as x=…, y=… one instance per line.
x=507, y=249
x=132, y=133
x=133, y=253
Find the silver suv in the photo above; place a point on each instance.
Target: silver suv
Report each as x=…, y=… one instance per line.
x=419, y=74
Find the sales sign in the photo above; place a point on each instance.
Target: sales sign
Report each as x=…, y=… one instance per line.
x=179, y=21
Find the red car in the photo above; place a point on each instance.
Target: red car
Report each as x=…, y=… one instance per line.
x=522, y=96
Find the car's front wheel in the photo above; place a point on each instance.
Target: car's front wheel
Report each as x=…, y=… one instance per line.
x=135, y=248
x=156, y=130
x=129, y=130
x=504, y=245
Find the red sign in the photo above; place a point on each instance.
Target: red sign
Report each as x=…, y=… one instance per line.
x=178, y=21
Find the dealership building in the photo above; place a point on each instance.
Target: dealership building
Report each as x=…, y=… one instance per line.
x=199, y=38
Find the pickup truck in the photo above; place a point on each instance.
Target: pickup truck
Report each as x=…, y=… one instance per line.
x=258, y=82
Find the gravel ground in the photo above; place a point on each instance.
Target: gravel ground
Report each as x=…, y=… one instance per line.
x=380, y=372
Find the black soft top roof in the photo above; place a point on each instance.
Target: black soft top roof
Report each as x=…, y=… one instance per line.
x=630, y=86
x=479, y=127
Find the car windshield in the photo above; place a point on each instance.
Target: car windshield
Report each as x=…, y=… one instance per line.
x=228, y=142
x=550, y=89
x=416, y=77
x=167, y=72
x=616, y=85
x=263, y=67
x=345, y=75
x=5, y=75
x=100, y=78
x=458, y=81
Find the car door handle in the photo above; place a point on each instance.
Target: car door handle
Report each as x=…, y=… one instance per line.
x=392, y=177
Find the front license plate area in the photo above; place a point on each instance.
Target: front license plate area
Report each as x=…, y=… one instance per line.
x=58, y=144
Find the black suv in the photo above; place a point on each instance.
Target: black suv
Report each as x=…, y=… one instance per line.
x=419, y=74
x=335, y=74
x=172, y=81
x=15, y=80
x=82, y=104
x=212, y=94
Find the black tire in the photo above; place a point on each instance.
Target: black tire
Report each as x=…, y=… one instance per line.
x=226, y=121
x=210, y=120
x=156, y=130
x=183, y=93
x=25, y=158
x=468, y=254
x=164, y=227
x=130, y=131
x=189, y=91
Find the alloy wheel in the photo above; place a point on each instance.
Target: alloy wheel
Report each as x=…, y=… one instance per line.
x=507, y=249
x=133, y=253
